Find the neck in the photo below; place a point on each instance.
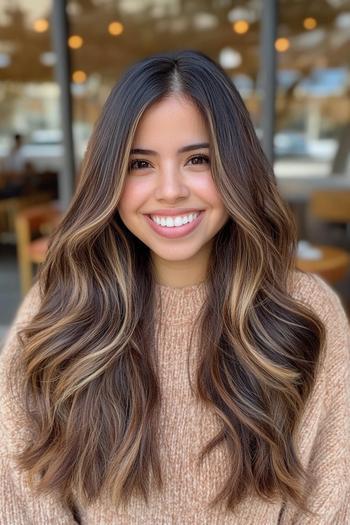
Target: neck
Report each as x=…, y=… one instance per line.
x=179, y=274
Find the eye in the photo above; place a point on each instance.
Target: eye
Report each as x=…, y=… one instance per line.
x=199, y=159
x=138, y=164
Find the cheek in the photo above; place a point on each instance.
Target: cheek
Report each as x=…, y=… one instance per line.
x=133, y=195
x=206, y=188
x=209, y=193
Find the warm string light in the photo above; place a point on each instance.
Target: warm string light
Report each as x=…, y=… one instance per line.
x=40, y=25
x=240, y=26
x=282, y=44
x=79, y=76
x=310, y=23
x=75, y=41
x=115, y=28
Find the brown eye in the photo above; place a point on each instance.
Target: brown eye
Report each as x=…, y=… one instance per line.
x=199, y=159
x=138, y=164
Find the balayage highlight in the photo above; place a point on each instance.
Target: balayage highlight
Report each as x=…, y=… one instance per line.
x=90, y=378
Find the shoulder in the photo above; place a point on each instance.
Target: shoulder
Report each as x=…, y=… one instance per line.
x=314, y=292
x=24, y=313
x=318, y=295
x=10, y=354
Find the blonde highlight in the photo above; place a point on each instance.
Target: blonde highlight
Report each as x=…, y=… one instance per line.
x=260, y=348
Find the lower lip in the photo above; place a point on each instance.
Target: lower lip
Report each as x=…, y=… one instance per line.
x=175, y=231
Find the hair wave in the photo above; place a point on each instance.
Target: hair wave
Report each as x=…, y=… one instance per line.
x=91, y=384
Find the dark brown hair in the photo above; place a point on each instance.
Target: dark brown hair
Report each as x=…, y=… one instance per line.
x=91, y=384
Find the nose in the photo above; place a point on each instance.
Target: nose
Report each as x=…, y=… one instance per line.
x=171, y=186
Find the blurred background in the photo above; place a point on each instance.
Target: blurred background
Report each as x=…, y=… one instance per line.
x=59, y=59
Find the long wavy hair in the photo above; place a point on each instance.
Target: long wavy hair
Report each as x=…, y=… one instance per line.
x=90, y=381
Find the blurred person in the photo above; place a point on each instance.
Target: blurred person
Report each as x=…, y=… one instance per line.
x=18, y=170
x=170, y=364
x=15, y=161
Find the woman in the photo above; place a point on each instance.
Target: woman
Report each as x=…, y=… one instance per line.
x=172, y=366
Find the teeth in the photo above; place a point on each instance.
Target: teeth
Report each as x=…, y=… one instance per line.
x=179, y=220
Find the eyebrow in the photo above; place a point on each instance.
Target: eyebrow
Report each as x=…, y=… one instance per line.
x=191, y=147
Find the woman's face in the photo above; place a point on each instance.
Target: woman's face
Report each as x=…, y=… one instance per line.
x=169, y=200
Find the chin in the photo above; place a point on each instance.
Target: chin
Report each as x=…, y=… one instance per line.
x=175, y=254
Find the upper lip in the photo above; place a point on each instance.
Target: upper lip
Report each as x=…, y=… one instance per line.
x=171, y=212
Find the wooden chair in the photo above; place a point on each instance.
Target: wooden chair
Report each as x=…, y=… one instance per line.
x=28, y=223
x=331, y=206
x=10, y=207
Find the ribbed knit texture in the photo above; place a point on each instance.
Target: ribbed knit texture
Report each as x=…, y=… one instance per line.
x=185, y=426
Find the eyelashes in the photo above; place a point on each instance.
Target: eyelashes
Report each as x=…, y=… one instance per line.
x=204, y=158
x=139, y=164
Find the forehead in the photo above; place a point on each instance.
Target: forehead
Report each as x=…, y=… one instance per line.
x=175, y=118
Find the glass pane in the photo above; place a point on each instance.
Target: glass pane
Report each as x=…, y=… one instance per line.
x=313, y=108
x=29, y=162
x=28, y=92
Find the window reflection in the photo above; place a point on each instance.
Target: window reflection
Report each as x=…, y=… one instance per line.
x=313, y=109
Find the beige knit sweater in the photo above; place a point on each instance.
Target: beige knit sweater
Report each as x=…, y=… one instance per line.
x=184, y=427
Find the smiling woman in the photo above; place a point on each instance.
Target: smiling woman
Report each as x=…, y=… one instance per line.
x=169, y=192
x=170, y=365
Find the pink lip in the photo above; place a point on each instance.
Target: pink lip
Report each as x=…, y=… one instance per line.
x=176, y=231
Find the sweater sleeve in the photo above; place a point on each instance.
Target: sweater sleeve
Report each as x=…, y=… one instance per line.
x=329, y=463
x=19, y=505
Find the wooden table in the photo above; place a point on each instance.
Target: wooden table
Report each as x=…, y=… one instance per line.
x=332, y=267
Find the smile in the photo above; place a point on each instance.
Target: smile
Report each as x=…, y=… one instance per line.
x=178, y=220
x=172, y=227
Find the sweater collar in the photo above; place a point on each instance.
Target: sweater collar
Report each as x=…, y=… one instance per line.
x=179, y=305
